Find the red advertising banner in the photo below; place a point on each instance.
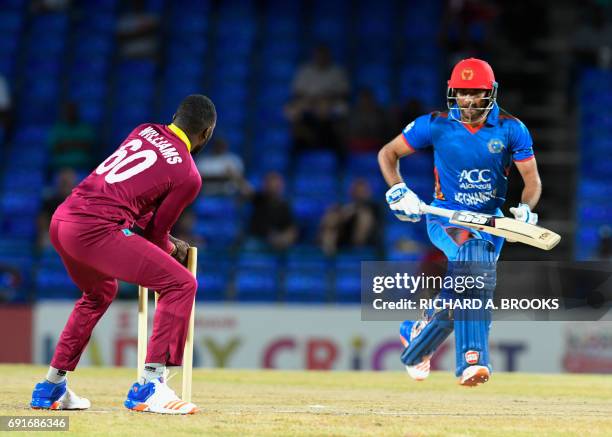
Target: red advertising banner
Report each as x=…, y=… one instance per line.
x=16, y=338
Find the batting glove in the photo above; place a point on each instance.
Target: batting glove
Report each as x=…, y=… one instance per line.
x=404, y=203
x=523, y=213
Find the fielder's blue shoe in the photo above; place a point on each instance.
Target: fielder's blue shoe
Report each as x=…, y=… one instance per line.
x=50, y=396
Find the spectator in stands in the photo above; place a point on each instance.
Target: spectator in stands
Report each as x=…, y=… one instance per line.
x=5, y=107
x=272, y=223
x=10, y=282
x=71, y=141
x=604, y=249
x=65, y=182
x=137, y=32
x=467, y=28
x=319, y=104
x=42, y=6
x=367, y=124
x=221, y=170
x=353, y=225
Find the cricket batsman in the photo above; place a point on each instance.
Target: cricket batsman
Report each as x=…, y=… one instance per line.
x=475, y=143
x=147, y=181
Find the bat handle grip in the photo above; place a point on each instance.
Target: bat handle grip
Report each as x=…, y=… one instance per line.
x=429, y=209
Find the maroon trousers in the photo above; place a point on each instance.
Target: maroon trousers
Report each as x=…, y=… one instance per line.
x=95, y=257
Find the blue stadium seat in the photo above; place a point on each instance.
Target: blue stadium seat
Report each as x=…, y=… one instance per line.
x=594, y=190
x=212, y=286
x=307, y=257
x=215, y=259
x=280, y=52
x=258, y=260
x=588, y=237
x=22, y=226
x=89, y=44
x=306, y=286
x=273, y=94
x=54, y=283
x=256, y=285
x=364, y=163
x=23, y=179
x=278, y=138
x=596, y=214
x=348, y=286
x=220, y=232
x=191, y=71
x=18, y=203
x=311, y=209
x=50, y=258
x=351, y=259
x=6, y=66
x=275, y=161
x=8, y=46
x=320, y=161
x=11, y=22
x=315, y=184
x=216, y=207
x=52, y=22
x=31, y=134
x=15, y=247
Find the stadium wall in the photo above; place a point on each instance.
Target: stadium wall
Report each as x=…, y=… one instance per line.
x=320, y=338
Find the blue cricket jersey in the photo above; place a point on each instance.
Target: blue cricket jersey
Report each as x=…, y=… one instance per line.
x=471, y=166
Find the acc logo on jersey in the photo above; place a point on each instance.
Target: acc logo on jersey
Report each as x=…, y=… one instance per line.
x=475, y=176
x=495, y=145
x=467, y=74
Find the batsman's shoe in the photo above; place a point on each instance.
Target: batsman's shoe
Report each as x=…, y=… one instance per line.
x=408, y=330
x=157, y=397
x=49, y=396
x=474, y=375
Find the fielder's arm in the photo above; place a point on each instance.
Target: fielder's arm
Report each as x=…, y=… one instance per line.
x=168, y=212
x=388, y=159
x=531, y=179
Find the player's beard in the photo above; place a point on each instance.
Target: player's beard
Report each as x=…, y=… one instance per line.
x=473, y=114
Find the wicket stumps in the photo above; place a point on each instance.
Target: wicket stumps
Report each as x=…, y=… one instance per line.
x=143, y=306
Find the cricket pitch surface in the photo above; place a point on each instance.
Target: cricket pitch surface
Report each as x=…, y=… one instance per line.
x=298, y=403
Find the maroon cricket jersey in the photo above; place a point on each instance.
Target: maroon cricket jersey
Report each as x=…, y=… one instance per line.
x=148, y=180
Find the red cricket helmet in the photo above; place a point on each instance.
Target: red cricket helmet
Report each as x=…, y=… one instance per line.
x=471, y=73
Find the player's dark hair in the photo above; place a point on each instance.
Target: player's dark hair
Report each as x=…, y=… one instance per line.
x=195, y=113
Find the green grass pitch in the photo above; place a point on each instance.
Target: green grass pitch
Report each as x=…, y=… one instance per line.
x=296, y=403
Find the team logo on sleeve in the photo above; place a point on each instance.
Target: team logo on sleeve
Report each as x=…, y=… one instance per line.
x=495, y=145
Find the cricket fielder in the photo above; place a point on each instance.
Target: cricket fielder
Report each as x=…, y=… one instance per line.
x=147, y=181
x=475, y=143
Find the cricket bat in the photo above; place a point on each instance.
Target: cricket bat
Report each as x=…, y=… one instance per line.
x=511, y=229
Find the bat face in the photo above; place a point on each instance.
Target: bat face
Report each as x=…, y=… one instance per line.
x=508, y=228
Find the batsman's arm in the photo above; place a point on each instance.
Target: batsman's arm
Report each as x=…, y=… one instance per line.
x=389, y=156
x=531, y=178
x=168, y=212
